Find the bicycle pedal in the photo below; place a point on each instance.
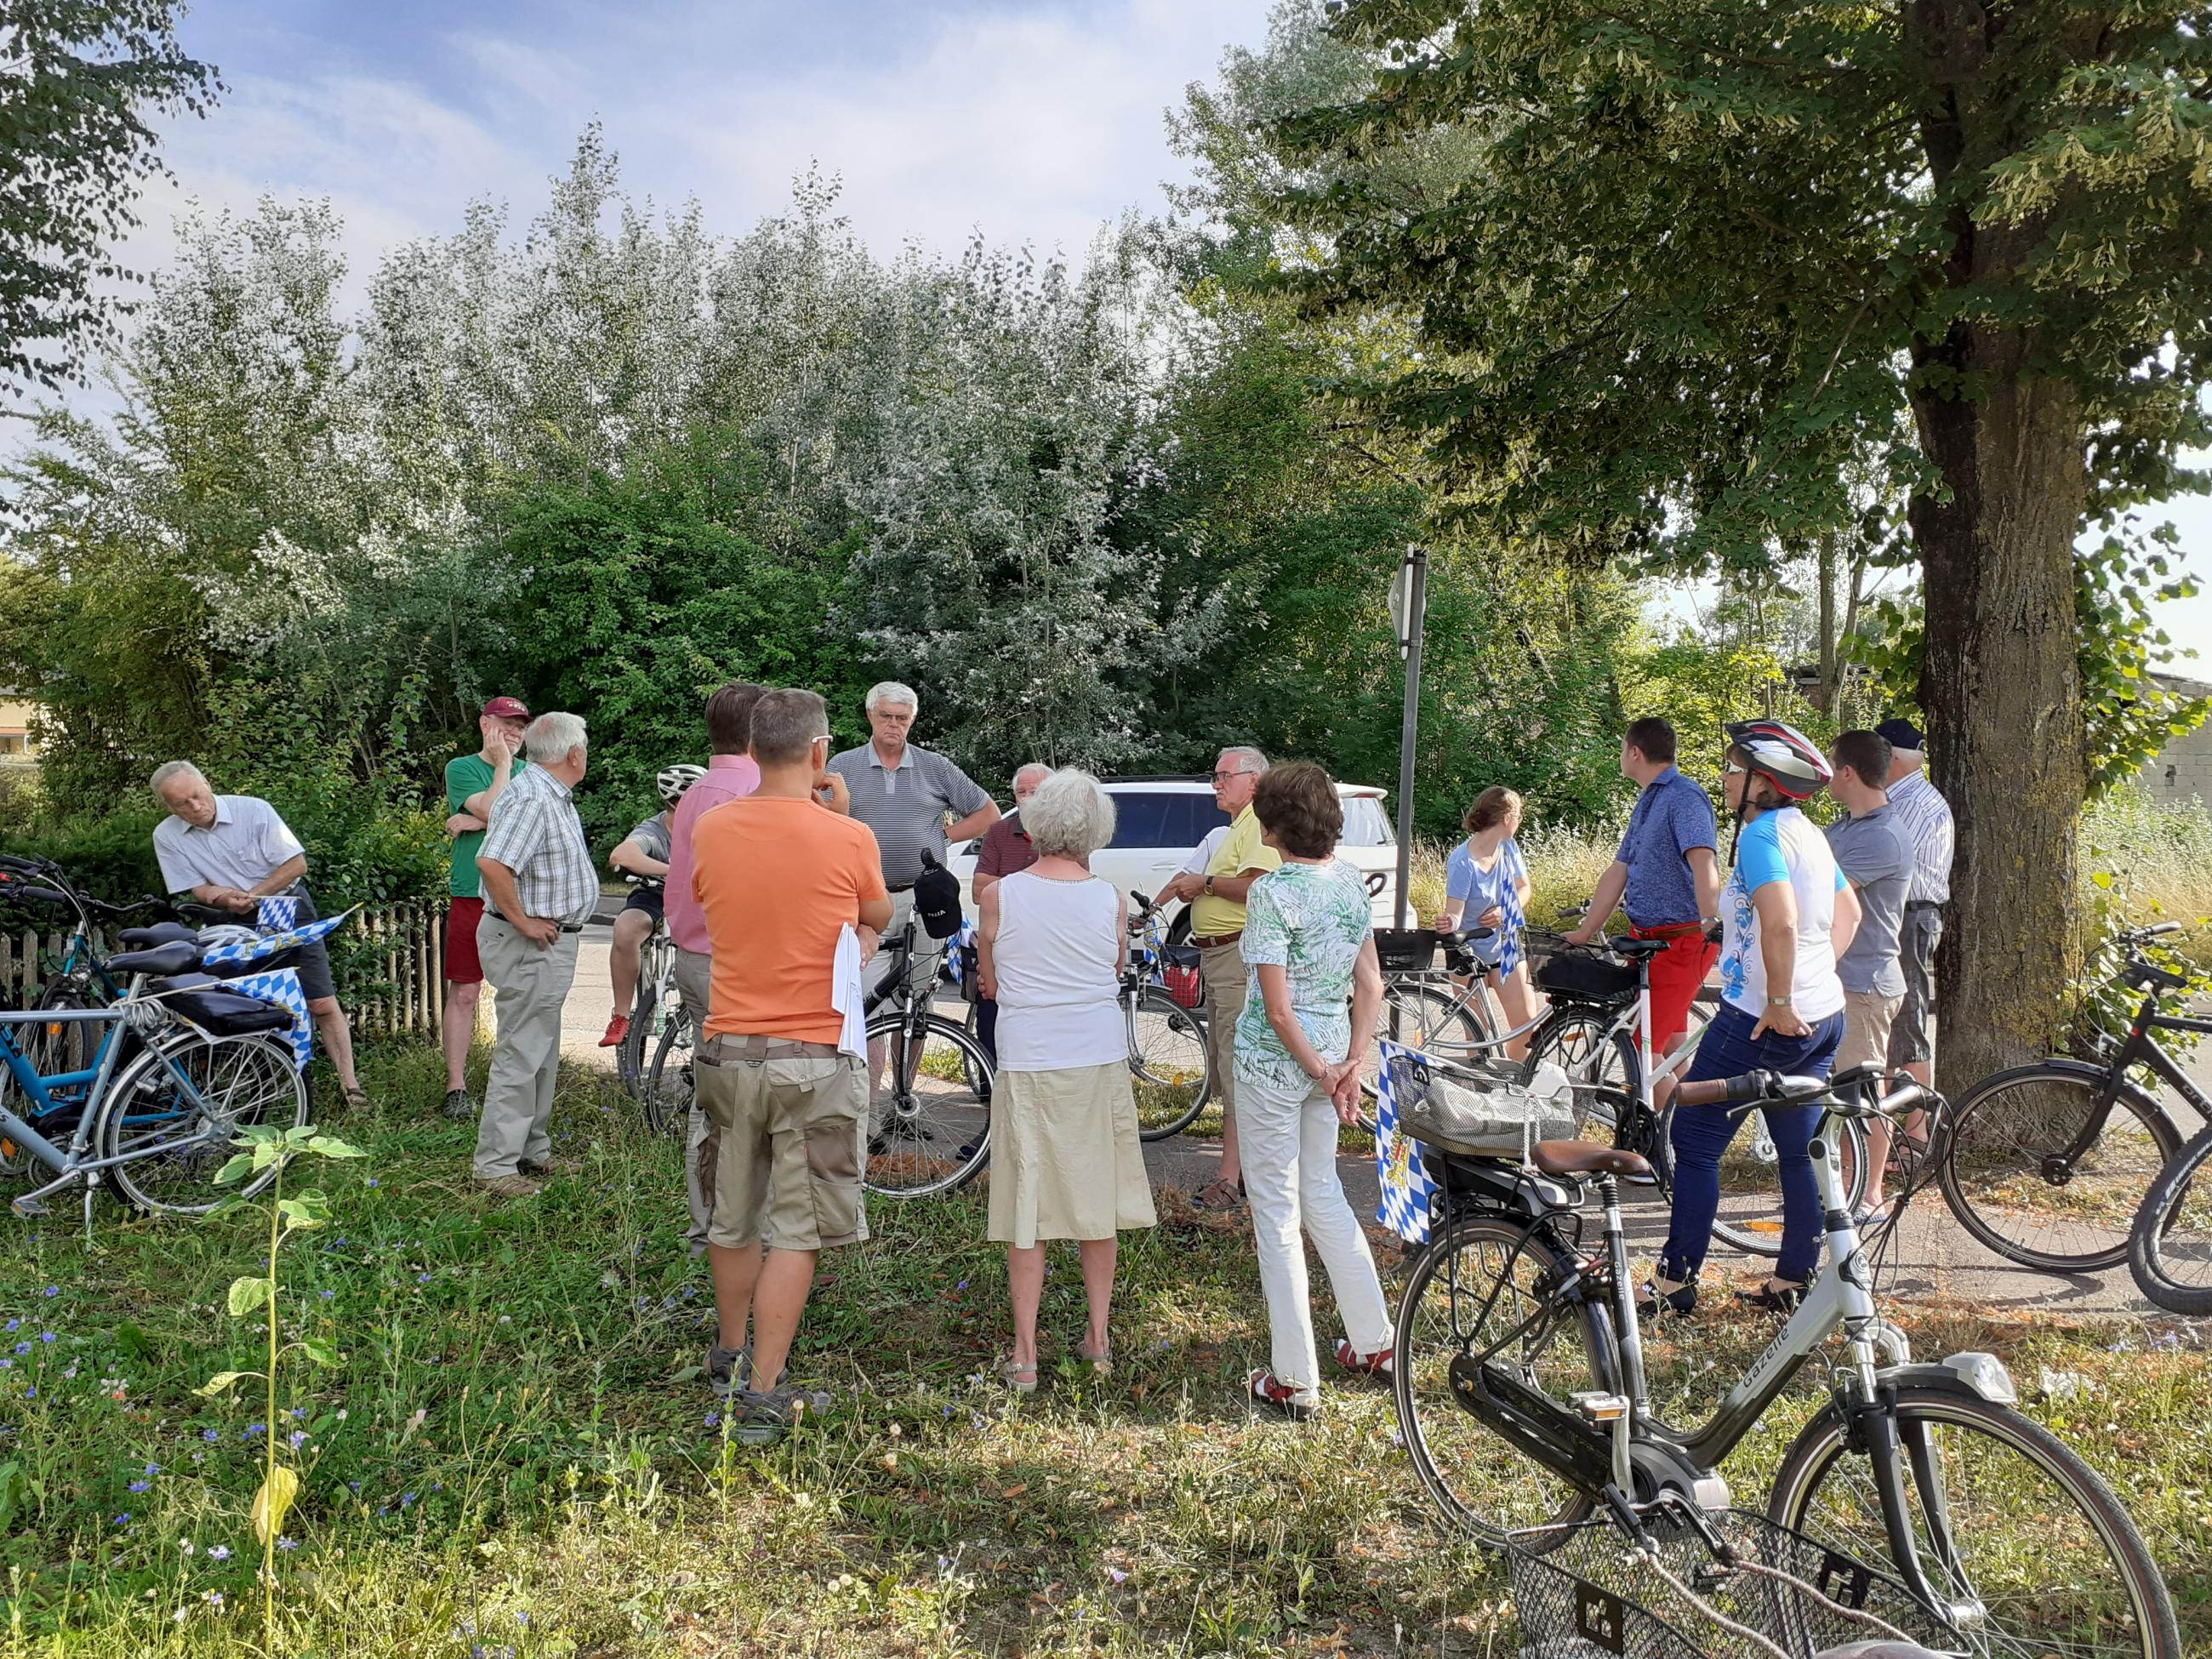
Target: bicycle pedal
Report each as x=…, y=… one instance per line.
x=1600, y=1406
x=29, y=1208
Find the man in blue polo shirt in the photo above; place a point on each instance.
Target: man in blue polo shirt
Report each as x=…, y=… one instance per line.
x=1666, y=875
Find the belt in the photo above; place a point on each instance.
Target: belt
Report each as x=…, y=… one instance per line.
x=898, y=887
x=1667, y=929
x=722, y=1050
x=1923, y=904
x=565, y=927
x=1216, y=940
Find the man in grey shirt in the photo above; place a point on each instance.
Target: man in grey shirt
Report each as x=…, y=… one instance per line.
x=1875, y=855
x=905, y=794
x=232, y=852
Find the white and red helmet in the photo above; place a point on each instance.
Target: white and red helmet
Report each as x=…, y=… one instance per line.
x=1782, y=755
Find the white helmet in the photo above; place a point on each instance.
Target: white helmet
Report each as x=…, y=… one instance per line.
x=675, y=780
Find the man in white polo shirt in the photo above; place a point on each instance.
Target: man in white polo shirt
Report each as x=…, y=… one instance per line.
x=232, y=852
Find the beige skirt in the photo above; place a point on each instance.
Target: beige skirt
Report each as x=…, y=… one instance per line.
x=1065, y=1162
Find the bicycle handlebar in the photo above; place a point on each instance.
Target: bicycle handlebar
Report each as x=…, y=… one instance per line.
x=1841, y=1095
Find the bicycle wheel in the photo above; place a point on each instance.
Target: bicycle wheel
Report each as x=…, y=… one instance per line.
x=1583, y=1043
x=1475, y=1286
x=174, y=1139
x=668, y=1081
x=2016, y=1174
x=1167, y=1065
x=2002, y=1514
x=2170, y=1247
x=632, y=1054
x=1416, y=1014
x=929, y=1123
x=1750, y=1213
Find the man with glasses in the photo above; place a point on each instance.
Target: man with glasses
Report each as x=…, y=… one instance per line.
x=1216, y=896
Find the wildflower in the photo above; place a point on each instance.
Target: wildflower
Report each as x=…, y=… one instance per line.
x=284, y=1543
x=177, y=1617
x=124, y=1519
x=328, y=1295
x=48, y=1338
x=1117, y=1575
x=211, y=1435
x=153, y=1469
x=297, y=1410
x=22, y=1347
x=372, y=1182
x=52, y=1291
x=213, y=1598
x=422, y=1279
x=185, y=1546
x=962, y=1285
x=7, y=1365
x=15, y=1325
x=714, y=1418
x=219, y=1552
x=141, y=1485
x=253, y=1428
x=299, y=1438
x=406, y=1500
x=356, y=1486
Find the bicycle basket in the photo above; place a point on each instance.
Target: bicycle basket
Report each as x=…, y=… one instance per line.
x=1479, y=1108
x=1582, y=1590
x=1586, y=976
x=1179, y=974
x=1405, y=950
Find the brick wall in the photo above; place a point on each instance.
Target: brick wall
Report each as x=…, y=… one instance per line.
x=2183, y=770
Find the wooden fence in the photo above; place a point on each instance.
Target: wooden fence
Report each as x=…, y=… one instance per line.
x=392, y=977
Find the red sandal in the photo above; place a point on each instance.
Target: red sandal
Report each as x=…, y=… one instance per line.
x=1382, y=1363
x=1266, y=1389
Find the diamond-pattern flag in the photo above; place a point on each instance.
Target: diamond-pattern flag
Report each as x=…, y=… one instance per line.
x=1401, y=1169
x=282, y=987
x=960, y=941
x=270, y=943
x=1508, y=926
x=278, y=912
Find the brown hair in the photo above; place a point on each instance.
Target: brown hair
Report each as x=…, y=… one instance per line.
x=1867, y=753
x=1653, y=739
x=1493, y=805
x=729, y=717
x=1296, y=803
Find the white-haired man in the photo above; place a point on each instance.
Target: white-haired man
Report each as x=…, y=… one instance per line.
x=232, y=852
x=1006, y=848
x=540, y=887
x=905, y=794
x=1216, y=896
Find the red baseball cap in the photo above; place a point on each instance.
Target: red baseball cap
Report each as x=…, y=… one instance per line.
x=507, y=708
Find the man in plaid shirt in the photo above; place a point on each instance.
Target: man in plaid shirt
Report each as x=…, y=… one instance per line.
x=539, y=889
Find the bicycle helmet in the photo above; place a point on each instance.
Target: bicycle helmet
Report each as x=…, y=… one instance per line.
x=1782, y=755
x=675, y=780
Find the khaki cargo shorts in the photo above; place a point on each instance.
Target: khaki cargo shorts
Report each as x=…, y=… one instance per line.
x=792, y=1129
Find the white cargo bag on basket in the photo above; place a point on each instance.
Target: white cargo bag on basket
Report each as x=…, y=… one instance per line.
x=1483, y=1110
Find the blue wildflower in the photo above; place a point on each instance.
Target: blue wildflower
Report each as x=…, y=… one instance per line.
x=283, y=1543
x=22, y=1347
x=211, y=1435
x=153, y=1469
x=141, y=1485
x=48, y=1338
x=220, y=1552
x=52, y=1291
x=124, y=1519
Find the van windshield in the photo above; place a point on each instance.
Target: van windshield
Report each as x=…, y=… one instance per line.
x=1365, y=823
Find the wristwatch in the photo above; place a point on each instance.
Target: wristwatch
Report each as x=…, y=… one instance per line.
x=1209, y=885
x=1777, y=1002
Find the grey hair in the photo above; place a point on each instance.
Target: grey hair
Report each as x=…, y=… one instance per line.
x=549, y=737
x=1247, y=759
x=890, y=691
x=168, y=769
x=1024, y=771
x=1069, y=815
x=1911, y=758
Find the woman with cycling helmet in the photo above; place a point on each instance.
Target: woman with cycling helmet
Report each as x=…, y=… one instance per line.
x=1786, y=915
x=643, y=853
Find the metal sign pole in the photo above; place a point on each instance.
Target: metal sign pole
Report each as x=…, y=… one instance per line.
x=1409, y=602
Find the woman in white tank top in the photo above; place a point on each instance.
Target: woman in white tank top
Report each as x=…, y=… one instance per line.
x=1065, y=1162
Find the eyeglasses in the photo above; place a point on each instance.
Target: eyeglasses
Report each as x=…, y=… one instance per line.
x=1731, y=769
x=1220, y=777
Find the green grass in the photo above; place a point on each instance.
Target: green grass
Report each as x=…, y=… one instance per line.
x=516, y=1454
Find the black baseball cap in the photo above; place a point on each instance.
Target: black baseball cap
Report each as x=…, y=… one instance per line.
x=1901, y=733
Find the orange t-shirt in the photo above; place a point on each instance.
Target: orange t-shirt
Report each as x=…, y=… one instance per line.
x=777, y=879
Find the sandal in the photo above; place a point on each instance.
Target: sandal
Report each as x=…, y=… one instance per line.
x=1773, y=1297
x=1681, y=1301
x=1220, y=1196
x=1012, y=1376
x=1868, y=1217
x=1265, y=1389
x=1378, y=1364
x=357, y=1096
x=1099, y=1364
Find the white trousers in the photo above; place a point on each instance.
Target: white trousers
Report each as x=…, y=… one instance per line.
x=1288, y=1140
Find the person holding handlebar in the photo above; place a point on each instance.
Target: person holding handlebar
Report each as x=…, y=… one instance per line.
x=1786, y=913
x=1485, y=878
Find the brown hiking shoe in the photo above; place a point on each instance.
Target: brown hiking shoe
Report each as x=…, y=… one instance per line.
x=508, y=1186
x=551, y=1166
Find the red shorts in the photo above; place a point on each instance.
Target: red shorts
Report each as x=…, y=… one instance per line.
x=463, y=966
x=1677, y=972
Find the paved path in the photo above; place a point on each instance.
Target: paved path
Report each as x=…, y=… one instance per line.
x=1936, y=1261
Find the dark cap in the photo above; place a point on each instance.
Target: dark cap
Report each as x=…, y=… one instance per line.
x=507, y=708
x=1901, y=733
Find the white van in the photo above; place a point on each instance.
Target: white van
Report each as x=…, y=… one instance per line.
x=1159, y=822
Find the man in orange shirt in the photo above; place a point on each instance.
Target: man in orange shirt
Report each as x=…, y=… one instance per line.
x=778, y=879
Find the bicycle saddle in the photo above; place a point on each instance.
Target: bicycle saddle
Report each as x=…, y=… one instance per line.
x=1634, y=948
x=162, y=932
x=228, y=1014
x=1573, y=1158
x=172, y=958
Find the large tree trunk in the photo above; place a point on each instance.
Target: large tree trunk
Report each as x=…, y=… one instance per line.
x=2001, y=682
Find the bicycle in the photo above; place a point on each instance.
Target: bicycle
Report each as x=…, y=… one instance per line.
x=162, y=1122
x=1169, y=1065
x=2049, y=1165
x=929, y=1126
x=652, y=1008
x=1511, y=1329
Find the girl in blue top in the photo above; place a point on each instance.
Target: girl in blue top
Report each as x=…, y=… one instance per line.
x=1485, y=878
x=1786, y=915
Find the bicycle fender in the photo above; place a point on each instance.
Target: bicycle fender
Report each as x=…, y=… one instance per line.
x=1983, y=1375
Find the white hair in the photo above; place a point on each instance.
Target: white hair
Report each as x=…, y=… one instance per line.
x=168, y=769
x=1247, y=759
x=1023, y=771
x=1069, y=815
x=550, y=737
x=1911, y=758
x=892, y=692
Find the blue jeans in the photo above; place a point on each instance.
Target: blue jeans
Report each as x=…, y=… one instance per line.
x=1702, y=1135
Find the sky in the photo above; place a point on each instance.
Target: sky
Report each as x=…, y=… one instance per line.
x=1030, y=121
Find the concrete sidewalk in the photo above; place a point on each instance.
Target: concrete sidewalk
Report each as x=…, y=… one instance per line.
x=1934, y=1260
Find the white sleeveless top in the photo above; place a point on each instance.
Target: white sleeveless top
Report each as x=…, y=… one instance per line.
x=1057, y=955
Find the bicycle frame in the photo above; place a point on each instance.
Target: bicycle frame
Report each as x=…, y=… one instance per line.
x=2142, y=1049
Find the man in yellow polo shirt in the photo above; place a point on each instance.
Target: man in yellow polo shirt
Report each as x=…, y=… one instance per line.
x=1217, y=923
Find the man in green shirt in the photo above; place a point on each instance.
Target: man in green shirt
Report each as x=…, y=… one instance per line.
x=473, y=782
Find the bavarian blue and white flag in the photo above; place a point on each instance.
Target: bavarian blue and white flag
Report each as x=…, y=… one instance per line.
x=282, y=987
x=278, y=911
x=270, y=943
x=1401, y=1169
x=1509, y=927
x=960, y=941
